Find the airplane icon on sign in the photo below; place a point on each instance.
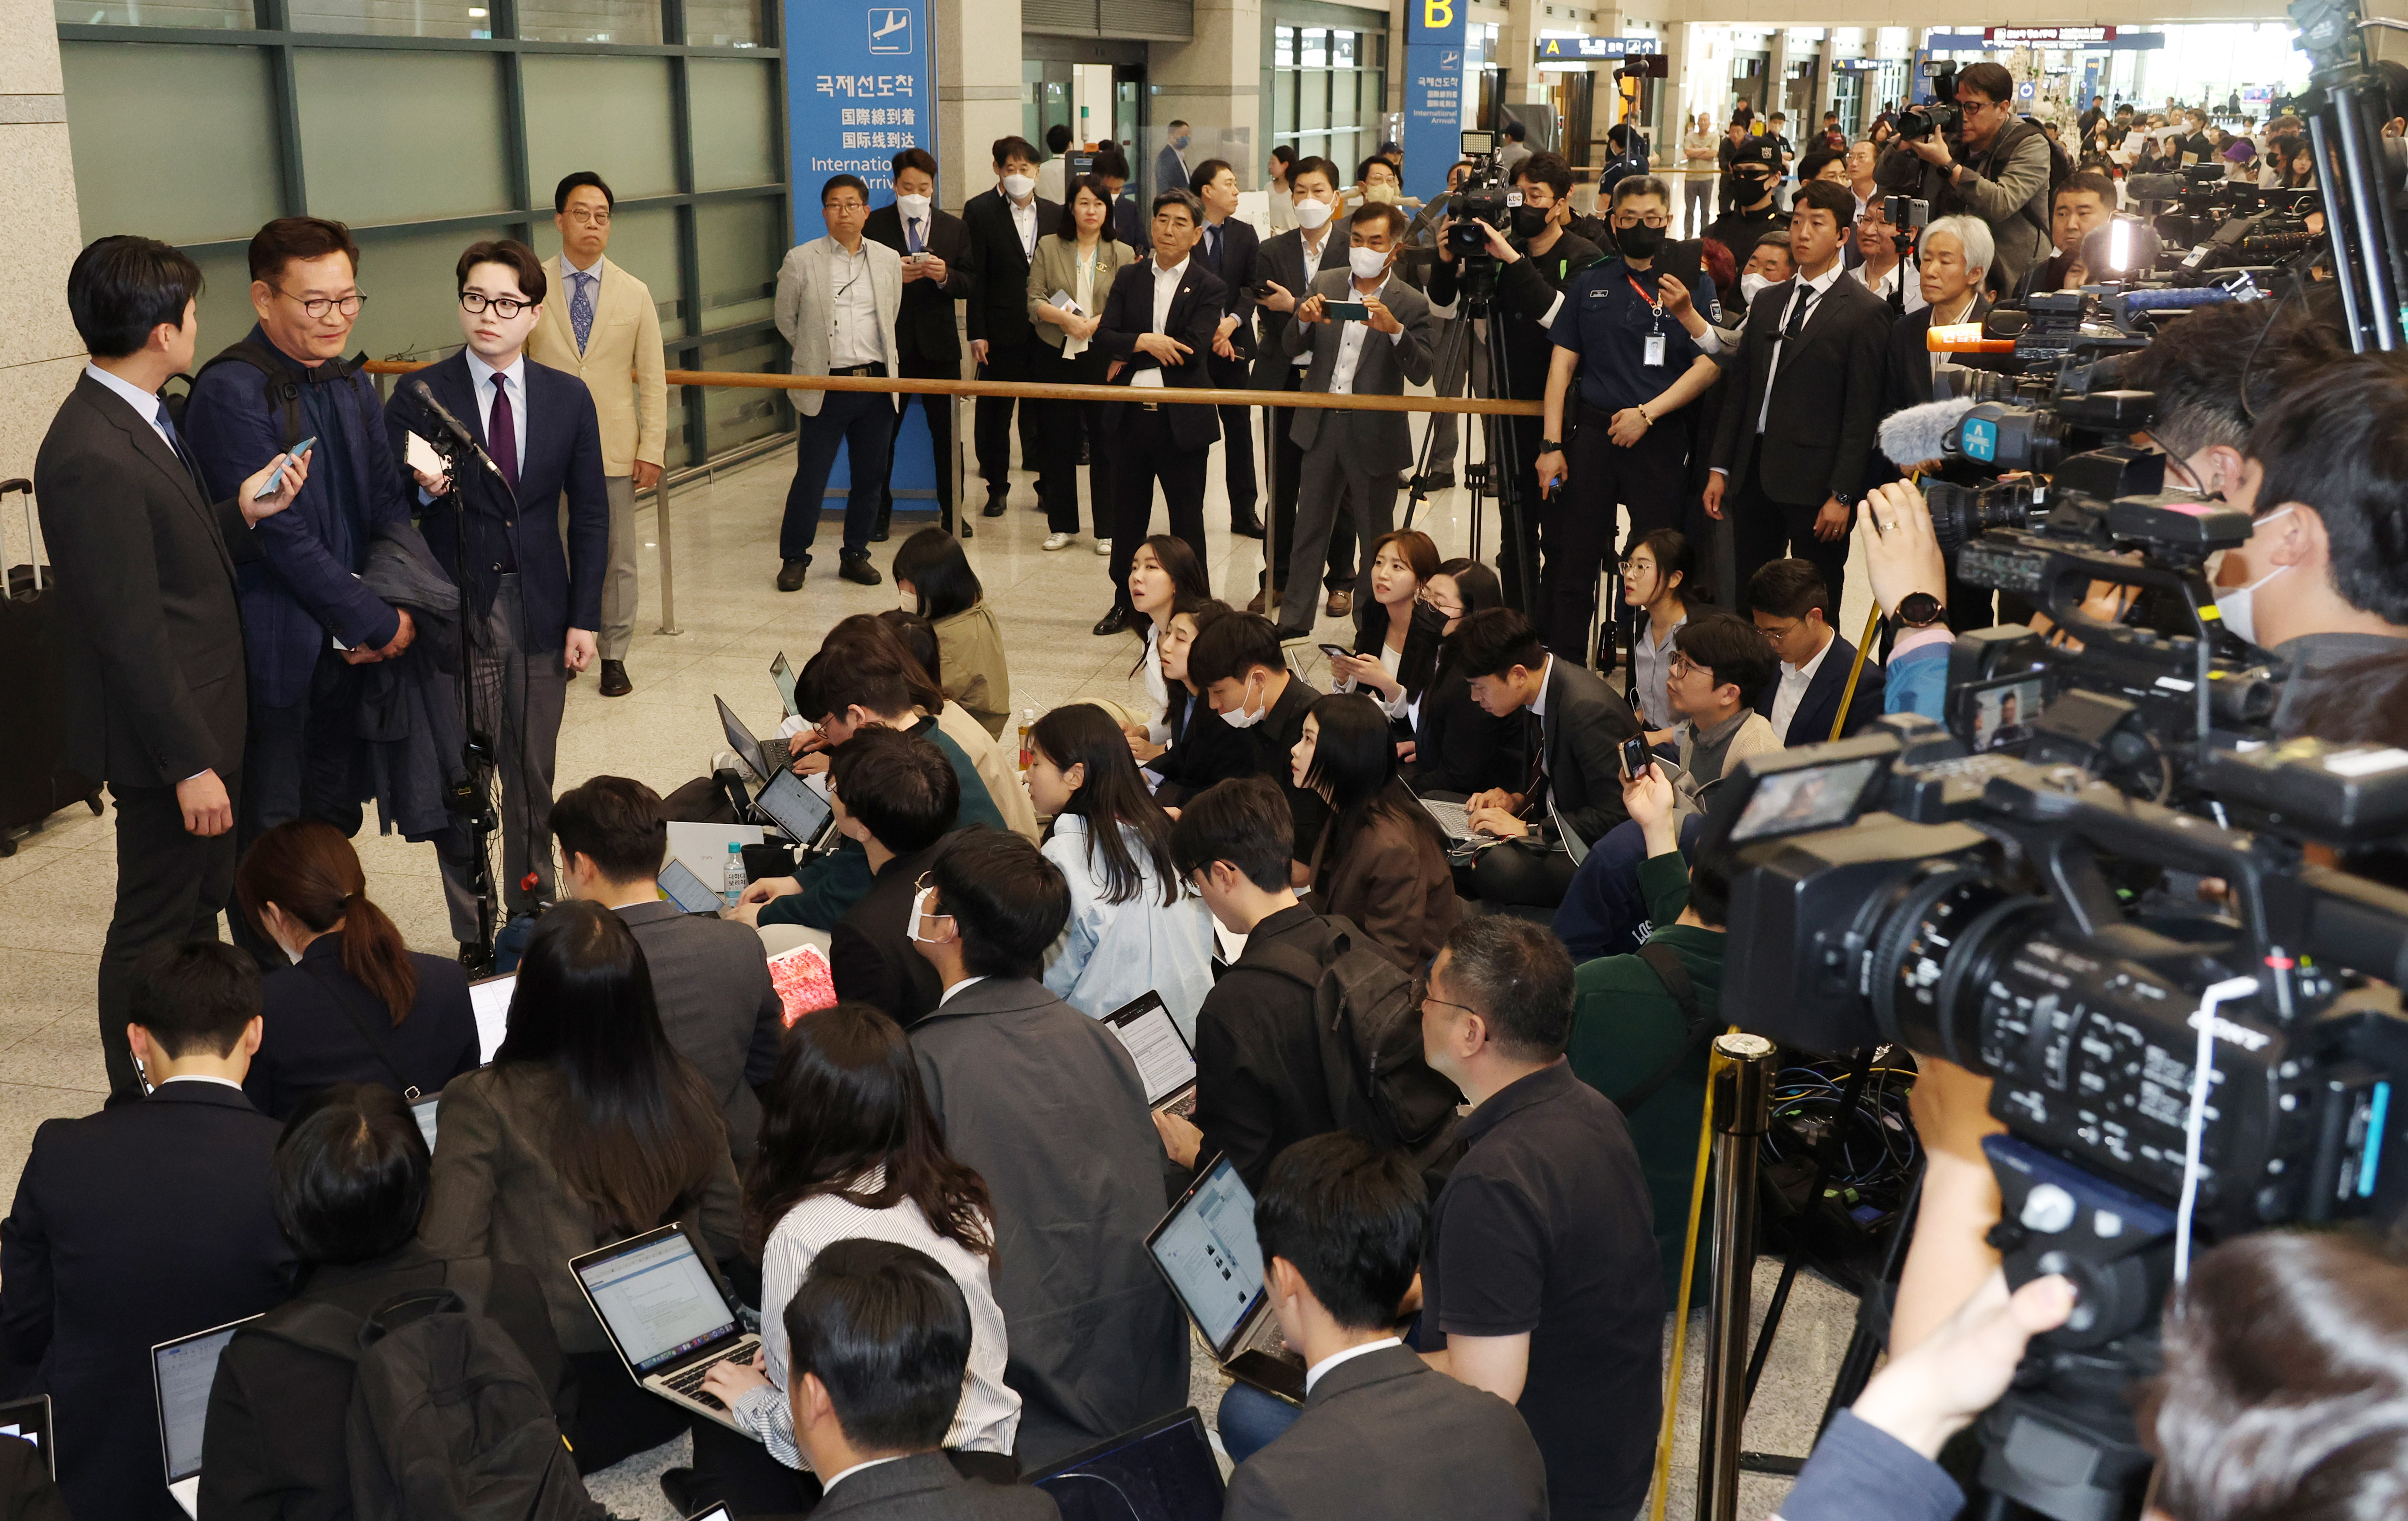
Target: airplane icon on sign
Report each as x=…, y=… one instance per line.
x=890, y=31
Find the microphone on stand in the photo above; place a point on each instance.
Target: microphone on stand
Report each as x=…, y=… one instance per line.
x=461, y=438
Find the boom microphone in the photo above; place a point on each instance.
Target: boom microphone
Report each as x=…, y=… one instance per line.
x=1921, y=432
x=461, y=438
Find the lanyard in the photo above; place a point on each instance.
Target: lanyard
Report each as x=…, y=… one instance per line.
x=1653, y=305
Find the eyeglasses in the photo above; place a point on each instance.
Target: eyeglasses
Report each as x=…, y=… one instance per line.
x=584, y=217
x=1422, y=997
x=1436, y=606
x=317, y=307
x=1681, y=665
x=1654, y=218
x=504, y=307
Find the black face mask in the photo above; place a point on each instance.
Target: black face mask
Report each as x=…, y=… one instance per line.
x=1639, y=241
x=1530, y=221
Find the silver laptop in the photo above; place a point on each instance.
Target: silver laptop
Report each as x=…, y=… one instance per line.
x=688, y=891
x=182, y=1372
x=666, y=1315
x=781, y=676
x=1453, y=818
x=1206, y=1248
x=740, y=739
x=1164, y=1062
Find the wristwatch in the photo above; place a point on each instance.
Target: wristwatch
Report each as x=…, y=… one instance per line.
x=1551, y=446
x=1919, y=610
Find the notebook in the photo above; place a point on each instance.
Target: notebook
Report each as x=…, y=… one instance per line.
x=491, y=1000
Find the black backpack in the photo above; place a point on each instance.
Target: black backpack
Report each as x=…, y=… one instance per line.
x=448, y=1421
x=283, y=391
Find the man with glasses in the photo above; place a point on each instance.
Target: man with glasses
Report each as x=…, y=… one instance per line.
x=1792, y=609
x=309, y=624
x=533, y=604
x=1998, y=169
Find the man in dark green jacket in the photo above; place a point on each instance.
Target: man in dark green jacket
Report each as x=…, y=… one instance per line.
x=1627, y=1025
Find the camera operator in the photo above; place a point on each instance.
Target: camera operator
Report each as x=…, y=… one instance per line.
x=1997, y=168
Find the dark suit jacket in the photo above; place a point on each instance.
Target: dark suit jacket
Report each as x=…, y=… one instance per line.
x=1906, y=373
x=924, y=329
x=1259, y=1082
x=1280, y=260
x=1046, y=1105
x=1459, y=746
x=1586, y=719
x=1240, y=245
x=1382, y=441
x=312, y=1014
x=1393, y=881
x=998, y=311
x=717, y=1006
x=150, y=640
x=1203, y=750
x=926, y=1486
x=1811, y=725
x=1826, y=397
x=870, y=951
x=1385, y=1437
x=274, y=1450
x=26, y=1492
x=1130, y=223
x=1195, y=312
x=132, y=1227
x=563, y=458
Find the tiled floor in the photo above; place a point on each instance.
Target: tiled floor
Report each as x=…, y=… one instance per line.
x=55, y=891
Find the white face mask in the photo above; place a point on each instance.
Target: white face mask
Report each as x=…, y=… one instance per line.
x=2236, y=605
x=1369, y=264
x=920, y=911
x=1239, y=718
x=1017, y=186
x=1312, y=215
x=1751, y=285
x=908, y=601
x=915, y=207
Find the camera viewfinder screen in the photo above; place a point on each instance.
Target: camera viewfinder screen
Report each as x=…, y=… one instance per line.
x=1816, y=799
x=2003, y=715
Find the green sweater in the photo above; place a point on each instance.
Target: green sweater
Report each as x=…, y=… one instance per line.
x=1624, y=1026
x=841, y=878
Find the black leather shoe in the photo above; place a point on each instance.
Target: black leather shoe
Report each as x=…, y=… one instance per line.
x=790, y=576
x=1114, y=622
x=857, y=569
x=995, y=502
x=676, y=1488
x=885, y=522
x=1439, y=480
x=1249, y=527
x=614, y=679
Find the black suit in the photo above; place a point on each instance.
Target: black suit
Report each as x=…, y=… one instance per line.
x=926, y=1486
x=1152, y=442
x=311, y=1036
x=869, y=951
x=1259, y=1085
x=151, y=665
x=146, y=1222
x=1458, y=746
x=998, y=317
x=1817, y=441
x=1385, y=1437
x=1235, y=266
x=1579, y=785
x=1811, y=725
x=1280, y=260
x=1906, y=369
x=925, y=334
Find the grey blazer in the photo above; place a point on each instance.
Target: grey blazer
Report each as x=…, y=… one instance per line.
x=1056, y=268
x=1382, y=441
x=926, y=1486
x=804, y=290
x=711, y=984
x=1385, y=1437
x=1047, y=1106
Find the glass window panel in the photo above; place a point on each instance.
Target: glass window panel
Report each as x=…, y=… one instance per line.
x=1284, y=101
x=413, y=297
x=225, y=312
x=734, y=106
x=216, y=15
x=722, y=23
x=1282, y=46
x=590, y=20
x=742, y=243
x=395, y=18
x=1315, y=52
x=1375, y=92
x=364, y=168
x=611, y=115
x=1341, y=101
x=177, y=143
x=734, y=416
x=1313, y=100
x=644, y=243
x=1341, y=49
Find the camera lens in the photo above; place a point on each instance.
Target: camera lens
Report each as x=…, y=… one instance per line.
x=1931, y=952
x=1960, y=514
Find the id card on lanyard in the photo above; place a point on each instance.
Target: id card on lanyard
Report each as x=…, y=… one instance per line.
x=1651, y=351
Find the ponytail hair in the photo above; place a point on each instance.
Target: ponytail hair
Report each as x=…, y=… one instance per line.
x=309, y=871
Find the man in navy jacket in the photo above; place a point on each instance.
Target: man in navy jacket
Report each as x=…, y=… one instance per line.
x=533, y=605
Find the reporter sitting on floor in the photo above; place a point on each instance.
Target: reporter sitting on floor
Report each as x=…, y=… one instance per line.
x=1239, y=664
x=1716, y=662
x=1394, y=629
x=1383, y=1436
x=996, y=767
x=350, y=1182
x=1198, y=749
x=1133, y=928
x=1459, y=747
x=894, y=795
x=711, y=982
x=355, y=1006
x=1381, y=862
x=932, y=569
x=1792, y=609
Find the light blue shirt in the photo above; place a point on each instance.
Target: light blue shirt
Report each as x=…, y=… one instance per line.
x=145, y=405
x=514, y=382
x=1112, y=953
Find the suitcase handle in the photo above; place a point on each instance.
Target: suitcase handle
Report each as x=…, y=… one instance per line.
x=32, y=539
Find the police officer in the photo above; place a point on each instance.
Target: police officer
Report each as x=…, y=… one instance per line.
x=1641, y=343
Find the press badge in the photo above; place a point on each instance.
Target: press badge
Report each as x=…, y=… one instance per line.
x=1653, y=353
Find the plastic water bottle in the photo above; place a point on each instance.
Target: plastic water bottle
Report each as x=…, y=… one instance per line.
x=735, y=881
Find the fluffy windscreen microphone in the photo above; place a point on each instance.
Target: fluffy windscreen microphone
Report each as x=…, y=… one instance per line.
x=1921, y=432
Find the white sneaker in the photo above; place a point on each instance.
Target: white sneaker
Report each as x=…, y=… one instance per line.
x=1103, y=547
x=1056, y=541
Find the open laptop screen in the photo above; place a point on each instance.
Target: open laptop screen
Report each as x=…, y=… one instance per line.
x=1207, y=1248
x=688, y=891
x=29, y=1420
x=657, y=1297
x=185, y=1370
x=490, y=1000
x=1164, y=1471
x=782, y=675
x=1153, y=1039
x=740, y=739
x=799, y=810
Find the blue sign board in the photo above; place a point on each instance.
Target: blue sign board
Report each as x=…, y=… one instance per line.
x=1434, y=68
x=1555, y=48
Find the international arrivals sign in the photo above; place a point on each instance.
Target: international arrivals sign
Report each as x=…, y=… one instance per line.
x=2045, y=36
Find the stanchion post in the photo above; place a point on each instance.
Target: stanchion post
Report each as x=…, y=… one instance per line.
x=669, y=573
x=1743, y=1112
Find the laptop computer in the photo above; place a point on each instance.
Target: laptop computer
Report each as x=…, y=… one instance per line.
x=1162, y=1470
x=740, y=741
x=1165, y=1061
x=182, y=1372
x=29, y=1420
x=795, y=806
x=666, y=1315
x=423, y=1113
x=1453, y=819
x=781, y=676
x=688, y=891
x=490, y=1000
x=1206, y=1248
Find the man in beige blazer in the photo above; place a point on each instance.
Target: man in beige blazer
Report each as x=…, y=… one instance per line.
x=604, y=328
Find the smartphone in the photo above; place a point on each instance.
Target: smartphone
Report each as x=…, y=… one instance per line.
x=1259, y=292
x=1336, y=651
x=1636, y=756
x=277, y=478
x=1346, y=311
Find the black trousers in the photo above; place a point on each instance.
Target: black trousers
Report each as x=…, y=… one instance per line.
x=938, y=410
x=1143, y=451
x=1764, y=530
x=737, y=1472
x=171, y=886
x=1062, y=424
x=990, y=431
x=1515, y=875
x=862, y=423
x=301, y=760
x=1576, y=523
x=1287, y=472
x=616, y=1417
x=1237, y=439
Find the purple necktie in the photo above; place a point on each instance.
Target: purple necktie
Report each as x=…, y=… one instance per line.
x=502, y=433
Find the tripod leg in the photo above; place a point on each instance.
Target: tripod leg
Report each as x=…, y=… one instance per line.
x=1825, y=1152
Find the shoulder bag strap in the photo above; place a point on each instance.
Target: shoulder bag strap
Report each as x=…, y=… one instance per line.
x=1666, y=964
x=367, y=1029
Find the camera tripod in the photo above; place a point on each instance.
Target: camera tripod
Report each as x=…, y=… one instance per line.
x=1500, y=472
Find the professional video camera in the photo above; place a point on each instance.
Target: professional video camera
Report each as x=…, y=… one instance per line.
x=1484, y=195
x=1940, y=113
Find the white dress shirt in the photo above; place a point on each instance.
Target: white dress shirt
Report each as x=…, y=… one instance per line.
x=1795, y=679
x=1802, y=290
x=145, y=405
x=1165, y=290
x=947, y=997
x=1351, y=339
x=1312, y=248
x=1539, y=710
x=1024, y=219
x=1083, y=291
x=481, y=377
x=852, y=311
x=1313, y=1374
x=1882, y=287
x=842, y=1474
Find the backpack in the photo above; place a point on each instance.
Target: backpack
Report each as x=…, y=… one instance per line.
x=283, y=391
x=1665, y=963
x=1370, y=1032
x=448, y=1422
x=2060, y=164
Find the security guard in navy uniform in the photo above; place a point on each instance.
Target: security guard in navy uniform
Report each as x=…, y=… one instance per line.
x=1642, y=344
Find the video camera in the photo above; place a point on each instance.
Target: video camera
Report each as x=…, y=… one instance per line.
x=1940, y=113
x=1484, y=195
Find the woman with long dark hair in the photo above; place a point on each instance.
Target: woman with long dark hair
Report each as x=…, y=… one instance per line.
x=1163, y=574
x=1396, y=638
x=355, y=1006
x=1459, y=747
x=587, y=1128
x=998, y=768
x=1077, y=257
x=1133, y=926
x=1197, y=749
x=851, y=1149
x=933, y=576
x=1381, y=859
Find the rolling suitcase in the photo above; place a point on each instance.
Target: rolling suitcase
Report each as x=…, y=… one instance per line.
x=32, y=784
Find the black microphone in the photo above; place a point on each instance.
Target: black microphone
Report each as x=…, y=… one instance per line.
x=461, y=437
